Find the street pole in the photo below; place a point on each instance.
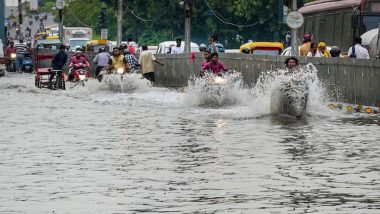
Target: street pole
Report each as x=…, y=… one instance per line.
x=20, y=35
x=294, y=31
x=119, y=22
x=188, y=5
x=2, y=28
x=60, y=25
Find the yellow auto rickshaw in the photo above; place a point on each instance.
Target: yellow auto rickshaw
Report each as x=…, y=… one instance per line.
x=262, y=48
x=95, y=45
x=41, y=35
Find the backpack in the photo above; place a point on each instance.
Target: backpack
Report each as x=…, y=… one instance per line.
x=353, y=54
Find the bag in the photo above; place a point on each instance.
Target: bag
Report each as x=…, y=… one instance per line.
x=353, y=54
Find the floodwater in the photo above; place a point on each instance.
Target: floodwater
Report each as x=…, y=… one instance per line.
x=109, y=149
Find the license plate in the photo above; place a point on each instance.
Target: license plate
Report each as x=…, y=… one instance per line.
x=27, y=67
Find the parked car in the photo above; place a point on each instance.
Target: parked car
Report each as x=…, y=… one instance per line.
x=163, y=47
x=2, y=60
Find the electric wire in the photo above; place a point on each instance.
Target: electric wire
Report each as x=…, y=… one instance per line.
x=147, y=20
x=225, y=21
x=77, y=19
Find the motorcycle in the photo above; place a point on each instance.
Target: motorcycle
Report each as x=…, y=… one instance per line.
x=83, y=74
x=104, y=72
x=218, y=83
x=11, y=64
x=27, y=64
x=292, y=98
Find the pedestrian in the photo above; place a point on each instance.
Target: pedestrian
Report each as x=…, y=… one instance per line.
x=21, y=49
x=215, y=46
x=132, y=46
x=178, y=48
x=335, y=52
x=101, y=61
x=323, y=49
x=146, y=62
x=304, y=49
x=314, y=52
x=357, y=51
x=59, y=60
x=133, y=63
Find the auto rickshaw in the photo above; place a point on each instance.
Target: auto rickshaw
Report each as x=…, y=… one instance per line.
x=44, y=52
x=262, y=48
x=41, y=35
x=95, y=45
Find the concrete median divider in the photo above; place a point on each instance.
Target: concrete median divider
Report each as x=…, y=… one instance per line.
x=355, y=81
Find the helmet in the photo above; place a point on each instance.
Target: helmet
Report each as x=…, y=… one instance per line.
x=202, y=47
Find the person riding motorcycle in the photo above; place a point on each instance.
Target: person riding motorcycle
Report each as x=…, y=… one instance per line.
x=9, y=51
x=214, y=65
x=117, y=61
x=78, y=61
x=291, y=65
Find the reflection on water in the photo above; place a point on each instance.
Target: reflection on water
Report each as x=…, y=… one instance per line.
x=90, y=150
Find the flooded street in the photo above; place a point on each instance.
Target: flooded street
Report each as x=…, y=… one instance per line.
x=97, y=150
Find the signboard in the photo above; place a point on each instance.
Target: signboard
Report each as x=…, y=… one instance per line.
x=33, y=4
x=104, y=33
x=294, y=20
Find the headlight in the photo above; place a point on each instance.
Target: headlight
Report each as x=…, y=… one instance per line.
x=13, y=55
x=219, y=80
x=120, y=71
x=82, y=77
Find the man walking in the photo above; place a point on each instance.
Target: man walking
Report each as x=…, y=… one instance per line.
x=146, y=62
x=177, y=49
x=21, y=49
x=357, y=51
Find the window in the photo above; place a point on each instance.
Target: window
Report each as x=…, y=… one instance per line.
x=370, y=22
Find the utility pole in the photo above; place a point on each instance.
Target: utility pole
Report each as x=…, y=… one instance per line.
x=2, y=28
x=20, y=36
x=188, y=4
x=60, y=4
x=119, y=22
x=293, y=32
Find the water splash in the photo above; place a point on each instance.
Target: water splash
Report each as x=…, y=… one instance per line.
x=267, y=90
x=125, y=83
x=201, y=93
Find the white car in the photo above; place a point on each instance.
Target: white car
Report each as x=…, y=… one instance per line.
x=163, y=47
x=2, y=60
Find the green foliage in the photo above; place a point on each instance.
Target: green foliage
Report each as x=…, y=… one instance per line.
x=168, y=19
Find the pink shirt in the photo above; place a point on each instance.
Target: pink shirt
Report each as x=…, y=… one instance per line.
x=204, y=63
x=82, y=59
x=215, y=67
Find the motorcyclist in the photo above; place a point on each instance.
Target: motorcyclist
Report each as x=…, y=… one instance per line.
x=101, y=61
x=202, y=47
x=76, y=62
x=291, y=65
x=214, y=65
x=117, y=61
x=8, y=52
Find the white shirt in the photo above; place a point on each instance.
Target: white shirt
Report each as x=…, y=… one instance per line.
x=177, y=50
x=317, y=54
x=360, y=52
